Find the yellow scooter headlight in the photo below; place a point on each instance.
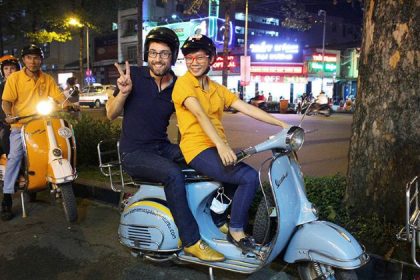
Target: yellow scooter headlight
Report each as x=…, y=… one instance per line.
x=44, y=107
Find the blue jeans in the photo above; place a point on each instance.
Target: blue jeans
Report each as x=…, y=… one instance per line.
x=14, y=160
x=242, y=177
x=156, y=162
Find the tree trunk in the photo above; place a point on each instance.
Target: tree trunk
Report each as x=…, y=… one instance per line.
x=384, y=148
x=139, y=32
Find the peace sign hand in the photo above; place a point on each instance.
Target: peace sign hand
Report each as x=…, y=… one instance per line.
x=124, y=81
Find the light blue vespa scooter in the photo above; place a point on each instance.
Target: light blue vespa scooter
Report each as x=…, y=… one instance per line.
x=321, y=250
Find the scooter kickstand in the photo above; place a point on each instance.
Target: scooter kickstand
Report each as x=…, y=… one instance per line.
x=211, y=273
x=23, y=205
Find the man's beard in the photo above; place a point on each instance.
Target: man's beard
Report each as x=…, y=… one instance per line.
x=161, y=72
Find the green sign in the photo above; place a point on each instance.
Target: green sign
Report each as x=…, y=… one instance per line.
x=316, y=66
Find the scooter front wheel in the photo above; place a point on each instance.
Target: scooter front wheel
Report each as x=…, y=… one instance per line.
x=69, y=202
x=310, y=271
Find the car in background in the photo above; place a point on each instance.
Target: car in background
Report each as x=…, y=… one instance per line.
x=96, y=95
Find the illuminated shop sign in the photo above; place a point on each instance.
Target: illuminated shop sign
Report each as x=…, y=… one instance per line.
x=327, y=58
x=329, y=67
x=233, y=62
x=277, y=69
x=278, y=79
x=275, y=52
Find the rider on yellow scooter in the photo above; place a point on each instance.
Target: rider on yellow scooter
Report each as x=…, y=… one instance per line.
x=23, y=91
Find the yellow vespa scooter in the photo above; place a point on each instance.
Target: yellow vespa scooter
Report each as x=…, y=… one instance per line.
x=50, y=158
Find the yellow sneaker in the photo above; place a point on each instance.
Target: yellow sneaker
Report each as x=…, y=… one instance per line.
x=224, y=228
x=202, y=251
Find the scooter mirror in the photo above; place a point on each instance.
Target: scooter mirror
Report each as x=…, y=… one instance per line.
x=44, y=107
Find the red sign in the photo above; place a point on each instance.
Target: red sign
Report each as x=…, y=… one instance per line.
x=232, y=63
x=296, y=69
x=327, y=58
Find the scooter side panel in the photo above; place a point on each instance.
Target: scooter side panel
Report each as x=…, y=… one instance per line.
x=36, y=146
x=148, y=225
x=326, y=243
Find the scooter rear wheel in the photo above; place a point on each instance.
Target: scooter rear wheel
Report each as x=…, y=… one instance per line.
x=69, y=202
x=308, y=271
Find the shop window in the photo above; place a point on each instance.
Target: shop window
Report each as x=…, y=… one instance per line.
x=132, y=53
x=130, y=28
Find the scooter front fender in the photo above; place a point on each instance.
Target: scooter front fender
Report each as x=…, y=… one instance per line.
x=326, y=243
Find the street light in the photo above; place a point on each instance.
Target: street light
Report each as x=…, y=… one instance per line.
x=76, y=22
x=323, y=13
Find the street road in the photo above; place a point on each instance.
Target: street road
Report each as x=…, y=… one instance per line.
x=325, y=151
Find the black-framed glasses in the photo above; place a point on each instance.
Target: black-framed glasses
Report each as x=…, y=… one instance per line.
x=162, y=54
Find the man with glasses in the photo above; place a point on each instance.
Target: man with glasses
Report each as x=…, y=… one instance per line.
x=145, y=97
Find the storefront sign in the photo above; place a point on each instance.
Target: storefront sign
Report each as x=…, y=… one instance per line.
x=275, y=52
x=315, y=67
x=278, y=79
x=233, y=62
x=327, y=58
x=277, y=69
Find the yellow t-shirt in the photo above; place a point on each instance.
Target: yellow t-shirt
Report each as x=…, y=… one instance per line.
x=25, y=93
x=194, y=140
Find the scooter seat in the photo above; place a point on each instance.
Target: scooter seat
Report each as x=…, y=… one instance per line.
x=192, y=175
x=146, y=181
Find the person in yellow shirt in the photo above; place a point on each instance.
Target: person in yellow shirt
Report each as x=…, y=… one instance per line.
x=8, y=65
x=22, y=92
x=199, y=104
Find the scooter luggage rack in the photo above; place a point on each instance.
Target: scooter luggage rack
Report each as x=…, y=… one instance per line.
x=110, y=164
x=410, y=232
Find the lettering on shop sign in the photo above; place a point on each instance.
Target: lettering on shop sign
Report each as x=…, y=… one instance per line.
x=274, y=52
x=327, y=58
x=218, y=65
x=298, y=69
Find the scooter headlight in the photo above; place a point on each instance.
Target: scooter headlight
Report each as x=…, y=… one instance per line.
x=295, y=138
x=44, y=107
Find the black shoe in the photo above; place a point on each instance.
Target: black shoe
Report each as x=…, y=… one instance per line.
x=6, y=214
x=6, y=208
x=246, y=244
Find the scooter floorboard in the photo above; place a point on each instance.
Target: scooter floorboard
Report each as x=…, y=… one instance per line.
x=228, y=264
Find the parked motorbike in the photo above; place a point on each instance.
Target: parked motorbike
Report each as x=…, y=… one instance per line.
x=410, y=232
x=316, y=108
x=49, y=160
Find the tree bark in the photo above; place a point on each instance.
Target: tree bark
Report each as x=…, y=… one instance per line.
x=384, y=149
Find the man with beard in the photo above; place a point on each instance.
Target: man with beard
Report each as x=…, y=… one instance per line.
x=23, y=91
x=145, y=96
